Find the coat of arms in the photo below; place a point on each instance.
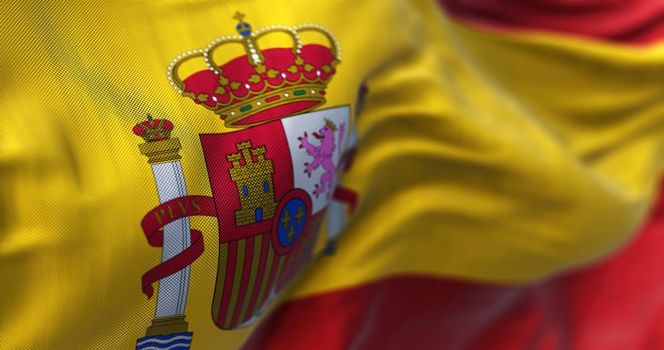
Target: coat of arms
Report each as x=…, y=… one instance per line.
x=271, y=179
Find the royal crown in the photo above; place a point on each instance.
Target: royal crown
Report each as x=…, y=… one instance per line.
x=152, y=130
x=264, y=84
x=159, y=147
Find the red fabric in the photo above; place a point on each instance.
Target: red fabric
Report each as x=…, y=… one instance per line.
x=621, y=21
x=614, y=305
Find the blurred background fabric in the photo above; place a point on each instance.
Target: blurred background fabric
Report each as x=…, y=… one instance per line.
x=508, y=168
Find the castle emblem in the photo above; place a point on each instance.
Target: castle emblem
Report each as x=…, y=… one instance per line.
x=269, y=201
x=254, y=183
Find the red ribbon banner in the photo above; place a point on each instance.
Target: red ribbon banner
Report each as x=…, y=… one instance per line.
x=153, y=223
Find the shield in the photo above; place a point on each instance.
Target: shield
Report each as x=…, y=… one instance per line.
x=270, y=184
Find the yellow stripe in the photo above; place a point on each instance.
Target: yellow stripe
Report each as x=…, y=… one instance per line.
x=221, y=276
x=526, y=156
x=237, y=280
x=252, y=277
x=266, y=276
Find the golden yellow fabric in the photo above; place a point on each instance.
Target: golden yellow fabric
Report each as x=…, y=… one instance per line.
x=502, y=158
x=485, y=156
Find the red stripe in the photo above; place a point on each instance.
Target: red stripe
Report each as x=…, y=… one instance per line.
x=259, y=278
x=244, y=284
x=228, y=284
x=614, y=305
x=396, y=313
x=270, y=281
x=620, y=21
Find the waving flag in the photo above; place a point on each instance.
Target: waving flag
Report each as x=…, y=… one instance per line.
x=503, y=158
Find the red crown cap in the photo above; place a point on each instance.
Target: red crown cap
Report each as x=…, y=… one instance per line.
x=264, y=84
x=154, y=129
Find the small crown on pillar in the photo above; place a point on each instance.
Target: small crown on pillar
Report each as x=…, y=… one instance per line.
x=159, y=146
x=154, y=129
x=264, y=84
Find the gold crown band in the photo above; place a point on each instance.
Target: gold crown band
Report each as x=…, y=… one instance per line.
x=260, y=103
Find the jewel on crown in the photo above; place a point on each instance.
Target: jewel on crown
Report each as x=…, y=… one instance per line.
x=266, y=83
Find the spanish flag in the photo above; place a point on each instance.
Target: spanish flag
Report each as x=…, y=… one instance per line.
x=311, y=174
